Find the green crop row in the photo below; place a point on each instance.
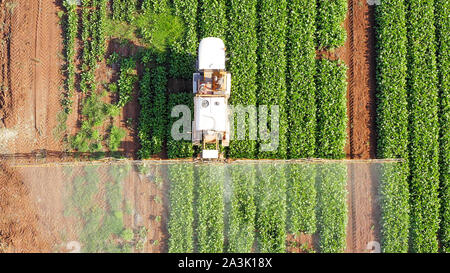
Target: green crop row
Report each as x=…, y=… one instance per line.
x=301, y=197
x=271, y=71
x=424, y=130
x=123, y=10
x=178, y=148
x=331, y=98
x=394, y=203
x=152, y=125
x=301, y=70
x=210, y=208
x=392, y=122
x=183, y=52
x=243, y=44
x=332, y=207
x=71, y=31
x=212, y=18
x=442, y=17
x=127, y=80
x=99, y=24
x=271, y=208
x=181, y=219
x=242, y=213
x=330, y=19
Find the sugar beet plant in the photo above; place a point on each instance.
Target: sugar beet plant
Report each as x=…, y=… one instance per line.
x=210, y=208
x=178, y=148
x=392, y=122
x=241, y=230
x=330, y=18
x=331, y=83
x=242, y=44
x=183, y=52
x=301, y=198
x=332, y=207
x=271, y=208
x=301, y=70
x=152, y=124
x=442, y=15
x=272, y=69
x=424, y=156
x=71, y=29
x=212, y=18
x=181, y=219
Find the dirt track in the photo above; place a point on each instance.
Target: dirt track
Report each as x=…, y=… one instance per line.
x=360, y=58
x=33, y=75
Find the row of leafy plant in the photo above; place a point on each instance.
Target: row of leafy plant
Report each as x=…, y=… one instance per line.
x=331, y=101
x=301, y=199
x=124, y=9
x=181, y=219
x=330, y=19
x=392, y=122
x=332, y=207
x=271, y=208
x=209, y=208
x=442, y=17
x=183, y=51
x=301, y=71
x=242, y=42
x=424, y=127
x=212, y=19
x=241, y=224
x=272, y=74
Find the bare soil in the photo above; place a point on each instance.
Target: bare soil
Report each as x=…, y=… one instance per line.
x=20, y=229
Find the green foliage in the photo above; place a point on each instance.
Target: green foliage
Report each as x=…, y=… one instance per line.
x=212, y=20
x=424, y=129
x=301, y=70
x=127, y=80
x=242, y=43
x=271, y=208
x=181, y=218
x=210, y=208
x=332, y=207
x=183, y=51
x=115, y=138
x=442, y=18
x=392, y=122
x=394, y=203
x=71, y=31
x=331, y=83
x=272, y=67
x=243, y=209
x=301, y=198
x=178, y=148
x=152, y=98
x=123, y=10
x=392, y=110
x=159, y=29
x=330, y=19
x=127, y=234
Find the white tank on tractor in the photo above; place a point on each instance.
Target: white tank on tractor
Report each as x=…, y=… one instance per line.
x=212, y=88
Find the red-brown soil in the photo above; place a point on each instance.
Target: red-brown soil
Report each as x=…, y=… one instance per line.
x=20, y=229
x=360, y=58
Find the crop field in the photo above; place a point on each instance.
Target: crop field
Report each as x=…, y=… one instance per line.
x=179, y=207
x=341, y=80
